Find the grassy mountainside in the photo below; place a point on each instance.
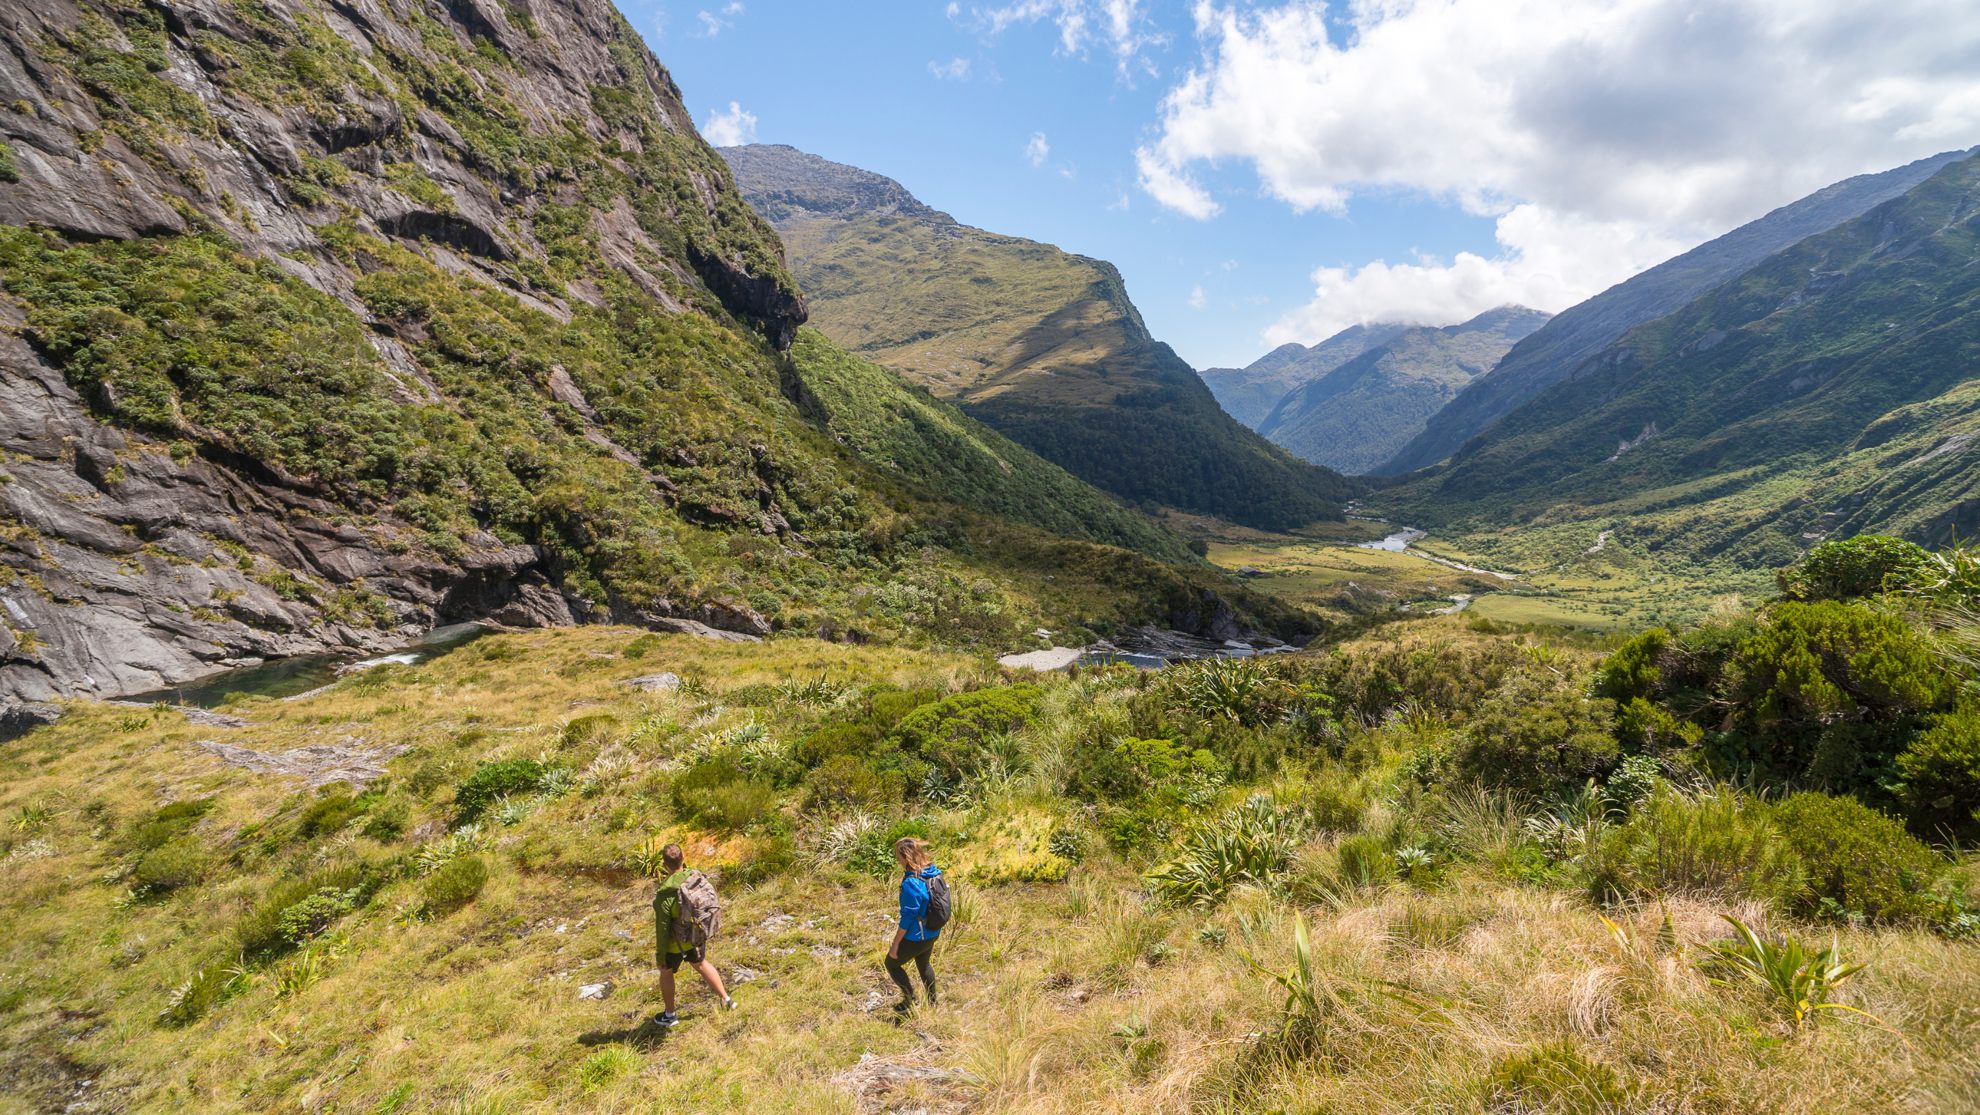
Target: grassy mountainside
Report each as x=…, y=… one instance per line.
x=391, y=318
x=1581, y=332
x=1827, y=392
x=1248, y=394
x=1358, y=415
x=1040, y=344
x=904, y=429
x=470, y=929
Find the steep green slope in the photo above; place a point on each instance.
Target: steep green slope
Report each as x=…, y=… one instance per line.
x=1584, y=330
x=1358, y=415
x=1248, y=394
x=1832, y=390
x=379, y=318
x=1038, y=343
x=904, y=429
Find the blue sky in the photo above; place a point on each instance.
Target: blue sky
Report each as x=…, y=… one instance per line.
x=1263, y=172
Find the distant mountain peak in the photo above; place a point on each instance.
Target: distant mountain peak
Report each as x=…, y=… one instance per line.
x=786, y=185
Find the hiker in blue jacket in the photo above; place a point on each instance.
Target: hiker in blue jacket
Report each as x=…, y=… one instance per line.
x=913, y=940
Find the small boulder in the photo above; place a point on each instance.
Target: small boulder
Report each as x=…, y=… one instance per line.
x=654, y=683
x=18, y=720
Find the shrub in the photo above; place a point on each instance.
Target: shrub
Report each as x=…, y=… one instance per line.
x=716, y=793
x=1942, y=773
x=1852, y=567
x=260, y=931
x=890, y=706
x=313, y=915
x=1034, y=868
x=952, y=732
x=454, y=885
x=190, y=1001
x=388, y=822
x=850, y=782
x=327, y=816
x=1134, y=767
x=169, y=867
x=1818, y=661
x=490, y=781
x=1716, y=844
x=1858, y=861
x=1537, y=740
x=1633, y=670
x=642, y=646
x=169, y=823
x=834, y=740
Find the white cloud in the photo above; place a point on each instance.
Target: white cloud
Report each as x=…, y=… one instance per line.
x=1120, y=27
x=730, y=129
x=1603, y=134
x=954, y=70
x=1037, y=150
x=713, y=25
x=1196, y=299
x=732, y=9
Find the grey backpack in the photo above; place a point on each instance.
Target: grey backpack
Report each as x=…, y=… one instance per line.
x=700, y=915
x=940, y=905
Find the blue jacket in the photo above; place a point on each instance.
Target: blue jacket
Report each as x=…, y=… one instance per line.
x=914, y=903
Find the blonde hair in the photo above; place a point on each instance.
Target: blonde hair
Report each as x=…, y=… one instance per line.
x=912, y=852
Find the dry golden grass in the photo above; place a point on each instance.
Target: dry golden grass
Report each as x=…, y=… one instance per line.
x=1077, y=997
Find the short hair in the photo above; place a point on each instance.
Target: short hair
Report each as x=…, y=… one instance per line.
x=671, y=858
x=912, y=852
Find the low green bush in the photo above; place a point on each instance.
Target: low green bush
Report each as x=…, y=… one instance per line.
x=305, y=919
x=1858, y=862
x=1717, y=844
x=169, y=823
x=1852, y=567
x=454, y=885
x=1941, y=773
x=387, y=822
x=642, y=646
x=170, y=866
x=327, y=815
x=491, y=781
x=1536, y=739
x=952, y=733
x=717, y=794
x=850, y=782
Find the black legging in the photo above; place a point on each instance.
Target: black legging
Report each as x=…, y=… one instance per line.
x=916, y=951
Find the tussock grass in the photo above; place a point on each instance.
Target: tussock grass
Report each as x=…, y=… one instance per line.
x=1464, y=990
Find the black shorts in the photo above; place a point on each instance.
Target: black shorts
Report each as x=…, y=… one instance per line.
x=673, y=960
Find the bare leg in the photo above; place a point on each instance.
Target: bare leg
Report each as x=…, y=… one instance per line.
x=667, y=989
x=708, y=973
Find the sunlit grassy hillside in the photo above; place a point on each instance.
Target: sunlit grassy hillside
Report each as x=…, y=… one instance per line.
x=1346, y=931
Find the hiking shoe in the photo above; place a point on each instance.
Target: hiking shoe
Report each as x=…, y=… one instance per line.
x=901, y=1008
x=728, y=1004
x=665, y=1018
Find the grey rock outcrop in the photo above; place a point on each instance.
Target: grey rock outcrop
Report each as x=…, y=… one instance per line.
x=128, y=564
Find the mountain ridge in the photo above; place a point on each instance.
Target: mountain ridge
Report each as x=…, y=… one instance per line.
x=1356, y=415
x=1043, y=345
x=1582, y=330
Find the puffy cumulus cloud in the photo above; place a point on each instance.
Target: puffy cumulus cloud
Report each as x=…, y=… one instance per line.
x=1121, y=27
x=729, y=129
x=1642, y=123
x=1550, y=261
x=1037, y=150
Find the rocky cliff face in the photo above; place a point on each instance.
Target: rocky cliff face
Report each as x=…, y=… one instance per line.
x=474, y=188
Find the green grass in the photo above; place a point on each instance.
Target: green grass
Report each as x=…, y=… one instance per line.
x=1476, y=983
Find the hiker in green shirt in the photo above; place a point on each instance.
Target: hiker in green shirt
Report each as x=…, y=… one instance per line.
x=668, y=953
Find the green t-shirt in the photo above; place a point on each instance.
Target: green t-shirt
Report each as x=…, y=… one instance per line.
x=667, y=907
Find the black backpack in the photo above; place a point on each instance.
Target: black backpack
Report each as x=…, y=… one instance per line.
x=939, y=905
